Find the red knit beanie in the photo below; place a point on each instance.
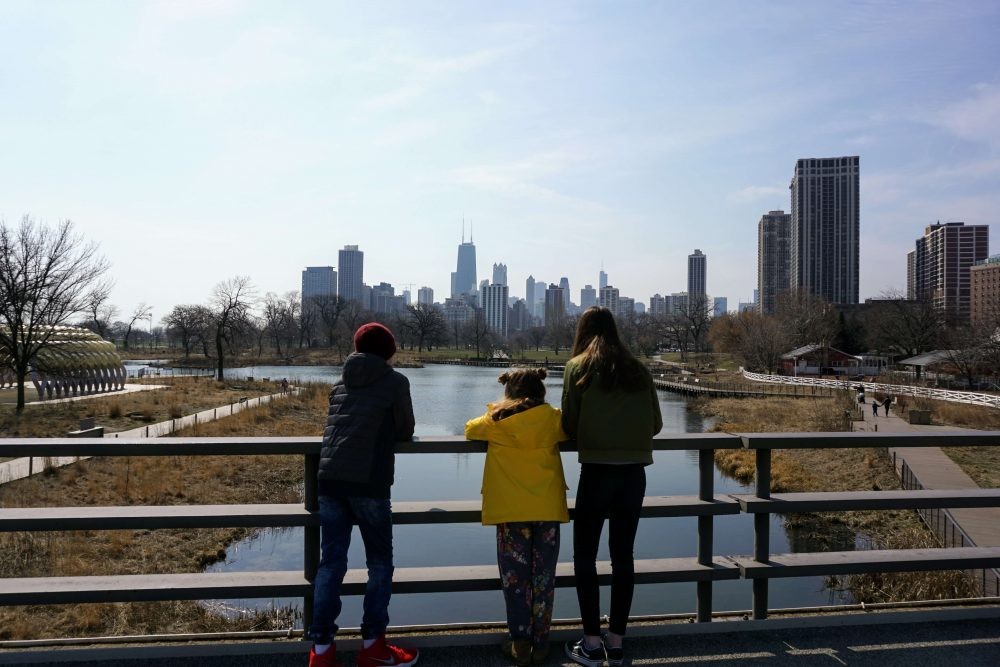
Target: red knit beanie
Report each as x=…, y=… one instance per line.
x=375, y=339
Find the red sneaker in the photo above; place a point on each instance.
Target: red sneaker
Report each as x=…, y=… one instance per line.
x=328, y=659
x=383, y=654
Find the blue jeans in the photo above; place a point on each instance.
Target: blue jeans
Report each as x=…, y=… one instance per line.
x=337, y=517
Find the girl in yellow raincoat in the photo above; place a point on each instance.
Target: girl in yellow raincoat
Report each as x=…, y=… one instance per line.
x=524, y=496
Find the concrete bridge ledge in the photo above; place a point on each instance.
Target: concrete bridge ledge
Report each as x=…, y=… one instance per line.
x=881, y=631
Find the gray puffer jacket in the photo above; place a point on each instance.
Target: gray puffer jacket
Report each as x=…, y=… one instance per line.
x=370, y=410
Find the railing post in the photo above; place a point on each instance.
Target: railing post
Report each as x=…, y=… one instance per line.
x=706, y=492
x=762, y=532
x=311, y=534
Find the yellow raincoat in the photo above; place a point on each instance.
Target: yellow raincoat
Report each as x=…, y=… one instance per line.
x=523, y=477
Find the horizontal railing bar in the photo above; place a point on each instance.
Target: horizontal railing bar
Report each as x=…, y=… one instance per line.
x=250, y=516
x=783, y=503
x=860, y=439
x=229, y=585
x=110, y=446
x=41, y=447
x=858, y=562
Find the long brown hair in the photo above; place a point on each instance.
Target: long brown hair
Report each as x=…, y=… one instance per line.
x=598, y=349
x=523, y=389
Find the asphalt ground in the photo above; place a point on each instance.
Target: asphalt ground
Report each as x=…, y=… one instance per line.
x=957, y=643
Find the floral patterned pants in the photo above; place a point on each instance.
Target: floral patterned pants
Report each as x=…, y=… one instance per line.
x=527, y=553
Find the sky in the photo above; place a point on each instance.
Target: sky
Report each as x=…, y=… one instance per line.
x=198, y=141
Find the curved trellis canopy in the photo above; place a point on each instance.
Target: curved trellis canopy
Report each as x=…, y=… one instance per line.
x=74, y=361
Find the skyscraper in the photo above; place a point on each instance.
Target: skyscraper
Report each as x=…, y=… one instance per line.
x=774, y=258
x=720, y=306
x=425, y=295
x=607, y=297
x=657, y=306
x=529, y=295
x=555, y=305
x=463, y=280
x=826, y=227
x=318, y=281
x=499, y=274
x=697, y=268
x=602, y=280
x=564, y=285
x=494, y=298
x=351, y=275
x=941, y=263
x=588, y=297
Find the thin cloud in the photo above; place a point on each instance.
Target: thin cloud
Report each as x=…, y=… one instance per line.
x=976, y=118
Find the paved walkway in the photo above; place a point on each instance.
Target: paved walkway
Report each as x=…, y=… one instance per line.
x=931, y=468
x=24, y=467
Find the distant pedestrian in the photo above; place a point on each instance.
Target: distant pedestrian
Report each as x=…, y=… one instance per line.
x=886, y=404
x=284, y=385
x=875, y=407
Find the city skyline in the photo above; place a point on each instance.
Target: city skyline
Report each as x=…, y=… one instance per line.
x=572, y=136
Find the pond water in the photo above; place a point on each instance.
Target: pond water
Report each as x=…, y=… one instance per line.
x=444, y=398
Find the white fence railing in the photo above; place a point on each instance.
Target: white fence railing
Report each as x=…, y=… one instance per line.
x=969, y=397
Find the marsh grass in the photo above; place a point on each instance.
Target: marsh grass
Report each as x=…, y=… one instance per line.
x=147, y=480
x=848, y=469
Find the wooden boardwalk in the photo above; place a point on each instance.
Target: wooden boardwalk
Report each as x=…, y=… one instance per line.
x=931, y=468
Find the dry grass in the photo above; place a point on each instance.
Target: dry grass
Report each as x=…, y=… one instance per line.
x=960, y=414
x=146, y=481
x=183, y=396
x=835, y=470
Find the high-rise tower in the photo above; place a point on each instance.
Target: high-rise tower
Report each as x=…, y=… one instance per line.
x=351, y=275
x=826, y=227
x=697, y=274
x=463, y=280
x=938, y=268
x=499, y=274
x=774, y=258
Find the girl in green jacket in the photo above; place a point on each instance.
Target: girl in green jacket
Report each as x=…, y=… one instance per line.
x=610, y=407
x=524, y=495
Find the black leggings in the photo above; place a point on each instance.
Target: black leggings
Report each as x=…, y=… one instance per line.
x=612, y=492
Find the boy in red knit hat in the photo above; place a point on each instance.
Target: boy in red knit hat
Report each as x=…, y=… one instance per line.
x=370, y=410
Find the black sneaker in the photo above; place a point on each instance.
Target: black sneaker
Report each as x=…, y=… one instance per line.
x=616, y=656
x=589, y=657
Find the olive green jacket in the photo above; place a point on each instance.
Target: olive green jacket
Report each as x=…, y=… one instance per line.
x=610, y=426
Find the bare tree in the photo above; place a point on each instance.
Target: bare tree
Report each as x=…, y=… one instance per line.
x=757, y=340
x=100, y=312
x=45, y=276
x=230, y=306
x=908, y=327
x=141, y=312
x=477, y=332
x=188, y=323
x=536, y=335
x=426, y=322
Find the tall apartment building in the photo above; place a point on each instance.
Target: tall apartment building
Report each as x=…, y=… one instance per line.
x=657, y=306
x=425, y=295
x=564, y=286
x=520, y=319
x=984, y=279
x=588, y=297
x=499, y=274
x=774, y=258
x=938, y=268
x=350, y=278
x=555, y=304
x=317, y=281
x=607, y=297
x=826, y=227
x=494, y=303
x=626, y=306
x=697, y=274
